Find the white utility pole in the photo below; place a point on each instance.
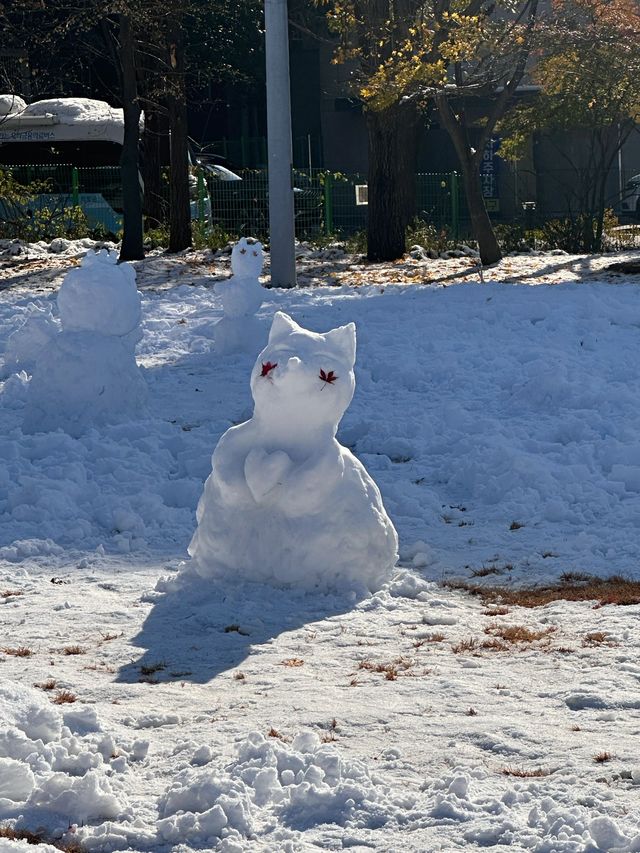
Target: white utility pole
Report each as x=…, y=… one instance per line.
x=280, y=154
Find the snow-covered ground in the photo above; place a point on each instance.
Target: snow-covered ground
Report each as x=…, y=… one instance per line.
x=501, y=423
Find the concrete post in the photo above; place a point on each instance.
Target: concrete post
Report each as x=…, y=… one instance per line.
x=280, y=155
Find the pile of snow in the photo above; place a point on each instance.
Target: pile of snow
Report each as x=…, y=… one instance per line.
x=11, y=105
x=37, y=329
x=239, y=330
x=286, y=503
x=304, y=785
x=56, y=769
x=75, y=111
x=86, y=375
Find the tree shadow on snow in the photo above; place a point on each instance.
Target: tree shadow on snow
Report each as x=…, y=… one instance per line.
x=198, y=629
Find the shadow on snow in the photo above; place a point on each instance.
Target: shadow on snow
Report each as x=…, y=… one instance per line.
x=199, y=628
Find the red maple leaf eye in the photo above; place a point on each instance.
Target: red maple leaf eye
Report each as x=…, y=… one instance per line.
x=267, y=368
x=329, y=377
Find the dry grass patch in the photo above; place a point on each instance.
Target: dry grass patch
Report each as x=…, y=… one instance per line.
x=64, y=697
x=517, y=633
x=432, y=638
x=38, y=838
x=275, y=733
x=100, y=667
x=602, y=757
x=73, y=650
x=496, y=611
x=573, y=586
x=391, y=670
x=485, y=571
x=464, y=646
x=19, y=652
x=495, y=645
x=11, y=593
x=49, y=684
x=523, y=773
x=597, y=638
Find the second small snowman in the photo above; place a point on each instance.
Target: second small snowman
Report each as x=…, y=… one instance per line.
x=86, y=375
x=239, y=330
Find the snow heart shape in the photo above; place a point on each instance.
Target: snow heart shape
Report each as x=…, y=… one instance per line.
x=285, y=503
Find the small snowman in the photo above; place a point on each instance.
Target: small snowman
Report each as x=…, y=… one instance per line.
x=285, y=503
x=87, y=375
x=242, y=295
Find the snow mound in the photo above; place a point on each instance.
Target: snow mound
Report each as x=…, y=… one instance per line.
x=24, y=711
x=304, y=784
x=83, y=379
x=11, y=104
x=52, y=773
x=286, y=503
x=27, y=341
x=75, y=110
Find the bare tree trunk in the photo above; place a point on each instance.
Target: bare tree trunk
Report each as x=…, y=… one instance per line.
x=156, y=155
x=180, y=213
x=481, y=224
x=392, y=161
x=482, y=228
x=132, y=239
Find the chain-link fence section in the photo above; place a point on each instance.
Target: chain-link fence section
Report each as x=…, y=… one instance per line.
x=326, y=203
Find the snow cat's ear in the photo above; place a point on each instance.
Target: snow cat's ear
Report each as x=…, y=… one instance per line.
x=344, y=340
x=281, y=327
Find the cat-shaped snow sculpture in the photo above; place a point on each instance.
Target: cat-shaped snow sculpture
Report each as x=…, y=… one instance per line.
x=285, y=503
x=242, y=295
x=87, y=375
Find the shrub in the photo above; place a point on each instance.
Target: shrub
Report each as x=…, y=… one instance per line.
x=21, y=220
x=426, y=234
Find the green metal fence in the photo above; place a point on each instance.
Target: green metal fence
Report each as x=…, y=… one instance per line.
x=97, y=190
x=326, y=203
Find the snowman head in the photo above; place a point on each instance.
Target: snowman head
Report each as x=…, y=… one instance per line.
x=100, y=296
x=247, y=258
x=303, y=379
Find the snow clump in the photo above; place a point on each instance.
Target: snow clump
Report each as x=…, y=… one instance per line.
x=304, y=784
x=285, y=503
x=239, y=330
x=86, y=375
x=27, y=341
x=55, y=766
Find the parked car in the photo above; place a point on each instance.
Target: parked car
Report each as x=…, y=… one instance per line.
x=630, y=201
